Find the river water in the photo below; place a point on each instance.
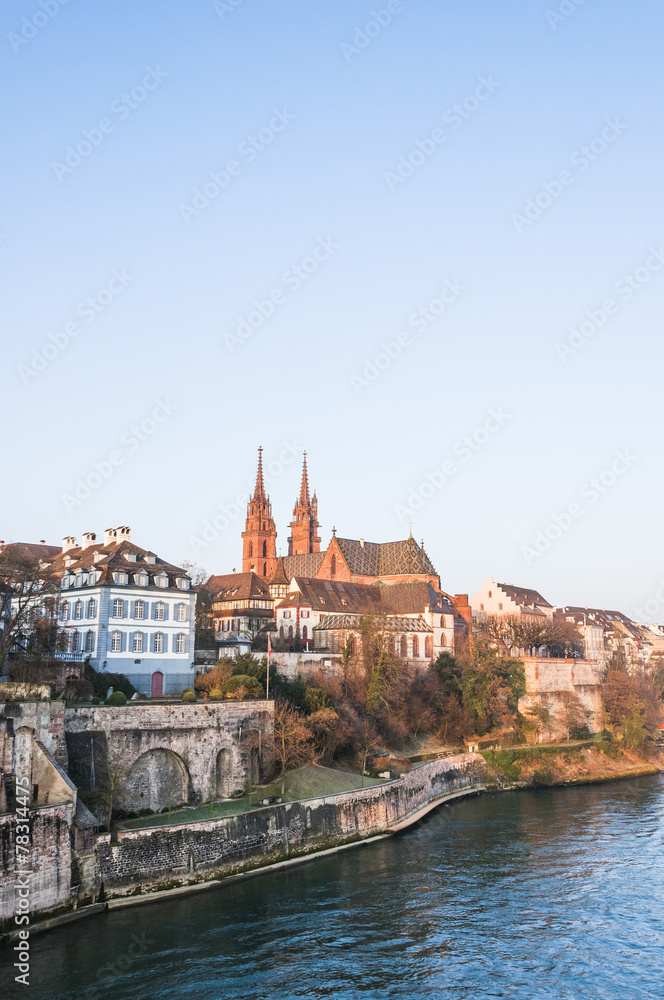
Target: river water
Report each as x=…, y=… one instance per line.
x=553, y=893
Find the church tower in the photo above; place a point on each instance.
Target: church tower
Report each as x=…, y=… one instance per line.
x=304, y=526
x=259, y=538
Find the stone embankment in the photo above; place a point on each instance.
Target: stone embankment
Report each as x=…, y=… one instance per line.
x=165, y=857
x=582, y=763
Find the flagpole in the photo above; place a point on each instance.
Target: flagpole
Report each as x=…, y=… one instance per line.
x=269, y=654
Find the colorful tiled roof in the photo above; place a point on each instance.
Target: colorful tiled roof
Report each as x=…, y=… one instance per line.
x=332, y=623
x=403, y=558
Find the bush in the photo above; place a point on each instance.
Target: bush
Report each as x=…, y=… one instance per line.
x=117, y=698
x=189, y=695
x=216, y=695
x=242, y=686
x=214, y=679
x=315, y=700
x=101, y=682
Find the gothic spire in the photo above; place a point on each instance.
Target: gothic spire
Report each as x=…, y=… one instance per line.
x=304, y=488
x=259, y=491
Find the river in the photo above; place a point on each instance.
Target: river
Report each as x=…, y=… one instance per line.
x=556, y=893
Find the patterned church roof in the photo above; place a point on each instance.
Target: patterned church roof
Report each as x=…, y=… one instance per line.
x=385, y=558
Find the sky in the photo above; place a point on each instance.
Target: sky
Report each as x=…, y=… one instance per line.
x=420, y=239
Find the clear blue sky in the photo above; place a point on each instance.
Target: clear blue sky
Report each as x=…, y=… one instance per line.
x=349, y=109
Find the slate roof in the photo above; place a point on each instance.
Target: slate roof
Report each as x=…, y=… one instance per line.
x=240, y=586
x=279, y=577
x=522, y=595
x=332, y=623
x=110, y=558
x=34, y=549
x=609, y=620
x=333, y=595
x=413, y=597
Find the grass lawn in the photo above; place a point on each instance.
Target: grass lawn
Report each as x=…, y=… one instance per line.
x=307, y=782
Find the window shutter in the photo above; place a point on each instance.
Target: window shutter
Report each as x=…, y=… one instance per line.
x=152, y=643
x=165, y=642
x=125, y=609
x=153, y=613
x=146, y=646
x=165, y=611
x=123, y=642
x=131, y=641
x=133, y=609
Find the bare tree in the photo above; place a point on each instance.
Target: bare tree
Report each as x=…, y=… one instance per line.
x=514, y=632
x=29, y=607
x=292, y=739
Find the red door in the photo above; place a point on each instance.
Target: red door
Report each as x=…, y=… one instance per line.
x=157, y=684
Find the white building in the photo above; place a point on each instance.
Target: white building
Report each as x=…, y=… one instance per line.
x=127, y=611
x=422, y=618
x=505, y=599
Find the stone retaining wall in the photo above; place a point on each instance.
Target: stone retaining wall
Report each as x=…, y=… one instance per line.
x=156, y=858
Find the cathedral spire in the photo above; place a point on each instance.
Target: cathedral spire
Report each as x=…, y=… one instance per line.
x=259, y=538
x=304, y=488
x=304, y=536
x=259, y=491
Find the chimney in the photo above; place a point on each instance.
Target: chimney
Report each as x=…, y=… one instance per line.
x=109, y=536
x=89, y=538
x=123, y=533
x=362, y=542
x=68, y=543
x=42, y=541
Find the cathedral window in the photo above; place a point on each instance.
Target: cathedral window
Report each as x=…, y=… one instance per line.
x=305, y=633
x=428, y=646
x=416, y=646
x=333, y=566
x=264, y=549
x=251, y=549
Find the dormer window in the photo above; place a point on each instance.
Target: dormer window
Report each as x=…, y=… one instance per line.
x=183, y=583
x=121, y=578
x=131, y=557
x=64, y=583
x=93, y=576
x=141, y=579
x=161, y=580
x=150, y=558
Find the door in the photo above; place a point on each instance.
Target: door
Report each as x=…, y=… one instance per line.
x=157, y=684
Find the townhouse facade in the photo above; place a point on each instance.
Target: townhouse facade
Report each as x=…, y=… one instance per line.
x=125, y=610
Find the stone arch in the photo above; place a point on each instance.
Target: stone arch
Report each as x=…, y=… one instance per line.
x=156, y=780
x=222, y=773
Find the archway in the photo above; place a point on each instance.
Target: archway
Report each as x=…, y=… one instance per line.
x=158, y=779
x=223, y=774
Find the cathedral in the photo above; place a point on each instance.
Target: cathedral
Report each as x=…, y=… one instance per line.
x=317, y=597
x=348, y=560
